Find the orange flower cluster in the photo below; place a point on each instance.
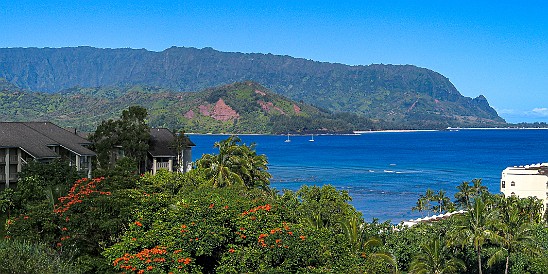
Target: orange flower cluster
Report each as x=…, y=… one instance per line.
x=241, y=234
x=81, y=188
x=261, y=240
x=266, y=207
x=274, y=234
x=147, y=256
x=184, y=260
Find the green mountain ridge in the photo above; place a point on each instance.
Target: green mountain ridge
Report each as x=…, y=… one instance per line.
x=244, y=107
x=405, y=95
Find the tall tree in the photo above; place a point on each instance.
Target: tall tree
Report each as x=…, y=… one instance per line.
x=479, y=188
x=464, y=195
x=474, y=228
x=180, y=143
x=422, y=205
x=130, y=132
x=444, y=203
x=515, y=229
x=134, y=132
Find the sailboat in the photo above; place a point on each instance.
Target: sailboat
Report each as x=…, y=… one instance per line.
x=312, y=140
x=287, y=141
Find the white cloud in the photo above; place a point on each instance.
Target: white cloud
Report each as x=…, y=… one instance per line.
x=505, y=111
x=538, y=114
x=540, y=111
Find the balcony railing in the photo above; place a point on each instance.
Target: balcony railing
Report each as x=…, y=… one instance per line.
x=162, y=165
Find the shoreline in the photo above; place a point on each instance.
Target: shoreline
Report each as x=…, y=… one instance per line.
x=394, y=131
x=359, y=132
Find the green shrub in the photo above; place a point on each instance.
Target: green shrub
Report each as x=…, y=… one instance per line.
x=22, y=257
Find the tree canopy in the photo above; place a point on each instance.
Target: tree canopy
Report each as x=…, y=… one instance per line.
x=130, y=133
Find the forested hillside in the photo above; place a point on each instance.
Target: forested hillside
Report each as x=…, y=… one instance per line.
x=237, y=108
x=406, y=95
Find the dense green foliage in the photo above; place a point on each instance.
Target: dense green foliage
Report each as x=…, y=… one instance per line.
x=130, y=132
x=191, y=223
x=28, y=258
x=409, y=96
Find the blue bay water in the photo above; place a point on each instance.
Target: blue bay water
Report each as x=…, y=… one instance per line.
x=385, y=172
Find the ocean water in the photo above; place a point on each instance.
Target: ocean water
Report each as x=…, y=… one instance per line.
x=385, y=172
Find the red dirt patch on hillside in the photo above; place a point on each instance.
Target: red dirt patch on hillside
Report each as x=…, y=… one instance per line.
x=297, y=109
x=189, y=114
x=223, y=112
x=204, y=110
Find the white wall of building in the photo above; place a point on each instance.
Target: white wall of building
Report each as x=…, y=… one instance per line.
x=526, y=181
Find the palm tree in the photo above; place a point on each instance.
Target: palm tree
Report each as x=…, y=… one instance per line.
x=478, y=188
x=421, y=205
x=464, y=195
x=434, y=258
x=235, y=164
x=444, y=203
x=220, y=169
x=361, y=244
x=253, y=167
x=430, y=197
x=515, y=230
x=474, y=228
x=532, y=207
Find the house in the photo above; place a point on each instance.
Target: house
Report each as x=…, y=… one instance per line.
x=21, y=142
x=525, y=181
x=165, y=153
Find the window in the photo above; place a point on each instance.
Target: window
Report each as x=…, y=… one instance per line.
x=546, y=184
x=503, y=184
x=513, y=183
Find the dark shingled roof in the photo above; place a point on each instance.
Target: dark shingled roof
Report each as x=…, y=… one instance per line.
x=161, y=143
x=36, y=137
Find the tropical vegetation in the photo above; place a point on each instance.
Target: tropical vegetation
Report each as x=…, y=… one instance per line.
x=223, y=217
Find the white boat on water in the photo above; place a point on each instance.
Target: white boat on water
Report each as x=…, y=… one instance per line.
x=312, y=140
x=288, y=140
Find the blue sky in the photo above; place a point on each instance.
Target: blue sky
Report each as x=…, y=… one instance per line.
x=495, y=48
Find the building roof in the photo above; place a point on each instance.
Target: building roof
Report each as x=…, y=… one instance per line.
x=36, y=138
x=162, y=141
x=532, y=169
